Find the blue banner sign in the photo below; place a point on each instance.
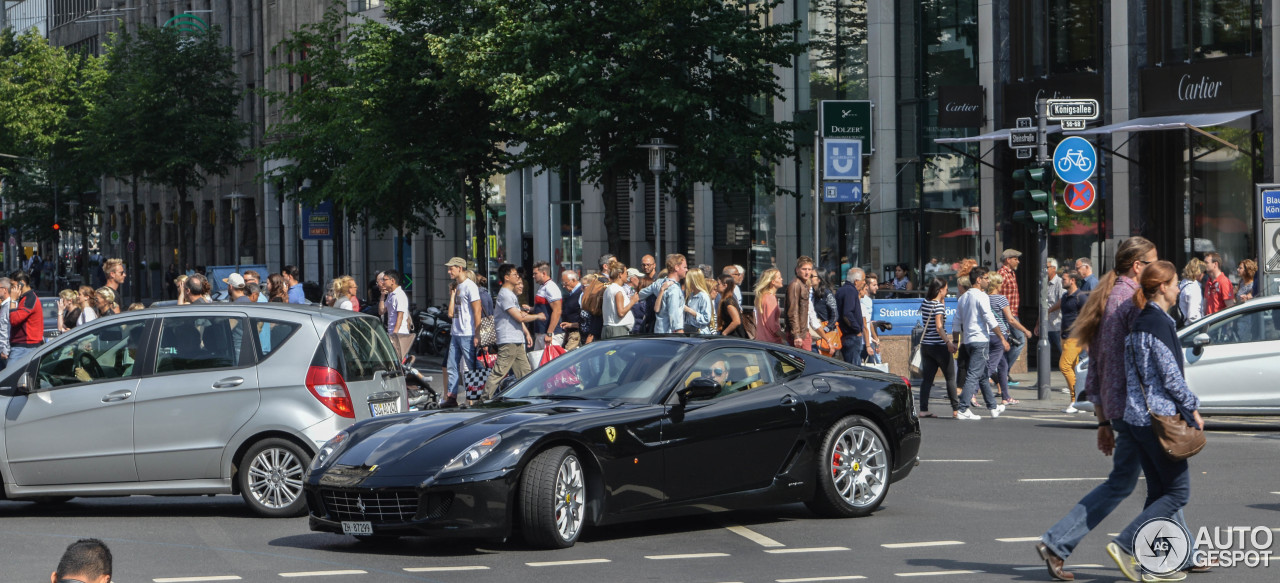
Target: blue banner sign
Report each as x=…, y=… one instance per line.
x=904, y=314
x=842, y=192
x=317, y=222
x=1270, y=204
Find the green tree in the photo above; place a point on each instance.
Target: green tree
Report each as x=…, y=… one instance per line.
x=581, y=83
x=167, y=115
x=45, y=94
x=377, y=126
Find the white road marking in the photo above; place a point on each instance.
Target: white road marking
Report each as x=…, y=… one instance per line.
x=1275, y=492
x=324, y=573
x=933, y=573
x=197, y=579
x=1020, y=539
x=686, y=556
x=564, y=563
x=806, y=550
x=954, y=461
x=931, y=543
x=1059, y=479
x=753, y=536
x=833, y=578
x=446, y=569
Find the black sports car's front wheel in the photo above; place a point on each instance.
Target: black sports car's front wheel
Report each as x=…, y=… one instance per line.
x=553, y=499
x=853, y=470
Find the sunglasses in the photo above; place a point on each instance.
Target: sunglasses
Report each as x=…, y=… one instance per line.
x=717, y=371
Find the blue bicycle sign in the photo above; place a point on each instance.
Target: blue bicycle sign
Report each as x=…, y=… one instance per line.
x=1074, y=160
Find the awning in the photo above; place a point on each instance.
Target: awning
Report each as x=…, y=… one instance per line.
x=1001, y=135
x=1166, y=122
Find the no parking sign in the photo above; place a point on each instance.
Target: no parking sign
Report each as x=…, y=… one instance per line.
x=1079, y=197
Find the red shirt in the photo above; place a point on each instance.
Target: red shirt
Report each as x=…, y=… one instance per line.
x=1216, y=294
x=1009, y=289
x=26, y=321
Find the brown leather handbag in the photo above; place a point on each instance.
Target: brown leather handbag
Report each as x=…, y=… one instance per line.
x=829, y=343
x=1177, y=437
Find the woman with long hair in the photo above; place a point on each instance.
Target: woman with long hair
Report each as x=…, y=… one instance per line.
x=824, y=307
x=729, y=312
x=342, y=290
x=1246, y=270
x=105, y=300
x=68, y=309
x=181, y=283
x=1190, y=294
x=277, y=289
x=616, y=303
x=1156, y=386
x=1004, y=315
x=767, y=312
x=936, y=347
x=84, y=299
x=1102, y=326
x=699, y=314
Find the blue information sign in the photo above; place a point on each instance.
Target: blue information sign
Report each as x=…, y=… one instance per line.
x=841, y=192
x=904, y=314
x=1074, y=160
x=317, y=222
x=1270, y=204
x=843, y=159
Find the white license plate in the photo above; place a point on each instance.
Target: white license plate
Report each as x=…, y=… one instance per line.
x=357, y=528
x=384, y=408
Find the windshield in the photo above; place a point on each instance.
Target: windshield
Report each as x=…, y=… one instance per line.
x=630, y=370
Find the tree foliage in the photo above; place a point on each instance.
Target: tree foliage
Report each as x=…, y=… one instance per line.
x=378, y=127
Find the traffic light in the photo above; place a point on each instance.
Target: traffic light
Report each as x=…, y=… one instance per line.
x=1037, y=202
x=56, y=227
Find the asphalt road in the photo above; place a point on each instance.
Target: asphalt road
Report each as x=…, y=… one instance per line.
x=970, y=512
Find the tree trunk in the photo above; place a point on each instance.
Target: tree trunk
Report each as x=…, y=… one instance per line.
x=135, y=263
x=612, y=217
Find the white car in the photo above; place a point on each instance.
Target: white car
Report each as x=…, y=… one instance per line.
x=1232, y=359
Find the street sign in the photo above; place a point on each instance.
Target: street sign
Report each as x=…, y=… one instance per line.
x=1270, y=205
x=1024, y=122
x=12, y=241
x=1079, y=197
x=842, y=160
x=115, y=237
x=132, y=246
x=1022, y=137
x=1060, y=109
x=1073, y=124
x=1074, y=160
x=841, y=192
x=846, y=119
x=1023, y=153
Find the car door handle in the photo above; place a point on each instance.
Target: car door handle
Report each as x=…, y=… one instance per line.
x=788, y=401
x=117, y=396
x=228, y=382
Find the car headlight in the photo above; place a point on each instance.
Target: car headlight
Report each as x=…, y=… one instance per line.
x=327, y=450
x=473, y=454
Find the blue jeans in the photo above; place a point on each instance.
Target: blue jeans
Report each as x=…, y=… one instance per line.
x=998, y=367
x=461, y=352
x=851, y=349
x=16, y=352
x=1014, y=352
x=975, y=353
x=1168, y=484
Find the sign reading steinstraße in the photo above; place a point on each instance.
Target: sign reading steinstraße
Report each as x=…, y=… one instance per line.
x=847, y=119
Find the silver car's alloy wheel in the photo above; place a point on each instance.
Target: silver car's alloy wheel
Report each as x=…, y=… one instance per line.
x=275, y=477
x=859, y=466
x=570, y=492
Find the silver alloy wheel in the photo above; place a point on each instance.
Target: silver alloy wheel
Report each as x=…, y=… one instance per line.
x=275, y=477
x=859, y=466
x=570, y=497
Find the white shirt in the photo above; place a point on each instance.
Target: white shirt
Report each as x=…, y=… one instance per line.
x=1055, y=293
x=974, y=318
x=1190, y=300
x=464, y=320
x=86, y=315
x=814, y=322
x=611, y=317
x=866, y=302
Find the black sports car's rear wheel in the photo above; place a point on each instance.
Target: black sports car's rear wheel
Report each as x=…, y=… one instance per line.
x=553, y=499
x=853, y=474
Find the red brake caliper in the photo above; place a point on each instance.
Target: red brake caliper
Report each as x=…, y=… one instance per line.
x=835, y=462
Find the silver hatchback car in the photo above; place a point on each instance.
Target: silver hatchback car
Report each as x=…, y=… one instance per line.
x=200, y=399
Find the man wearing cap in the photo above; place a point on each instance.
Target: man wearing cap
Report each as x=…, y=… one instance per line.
x=466, y=328
x=235, y=287
x=1009, y=289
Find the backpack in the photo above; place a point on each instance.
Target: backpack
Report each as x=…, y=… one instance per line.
x=593, y=298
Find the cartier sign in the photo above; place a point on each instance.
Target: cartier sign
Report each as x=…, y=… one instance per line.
x=1202, y=87
x=960, y=106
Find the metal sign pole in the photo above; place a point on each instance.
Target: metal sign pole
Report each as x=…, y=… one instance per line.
x=1042, y=243
x=817, y=196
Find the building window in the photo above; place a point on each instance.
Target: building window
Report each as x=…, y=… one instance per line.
x=1193, y=30
x=1055, y=36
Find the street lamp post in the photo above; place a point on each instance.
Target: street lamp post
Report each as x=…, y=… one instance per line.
x=235, y=197
x=657, y=165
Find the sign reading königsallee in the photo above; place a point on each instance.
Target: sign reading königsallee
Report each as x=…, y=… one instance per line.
x=1203, y=87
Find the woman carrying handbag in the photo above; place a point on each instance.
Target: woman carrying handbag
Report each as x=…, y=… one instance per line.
x=936, y=347
x=1157, y=394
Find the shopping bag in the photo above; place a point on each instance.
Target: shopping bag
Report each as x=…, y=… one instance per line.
x=550, y=353
x=474, y=377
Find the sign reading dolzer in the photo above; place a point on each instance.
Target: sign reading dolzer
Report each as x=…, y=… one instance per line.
x=1204, y=87
x=960, y=106
x=847, y=119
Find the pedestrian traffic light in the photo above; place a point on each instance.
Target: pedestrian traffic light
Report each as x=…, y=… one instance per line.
x=1037, y=204
x=56, y=227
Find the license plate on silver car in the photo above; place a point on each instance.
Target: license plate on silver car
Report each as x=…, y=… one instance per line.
x=357, y=527
x=384, y=408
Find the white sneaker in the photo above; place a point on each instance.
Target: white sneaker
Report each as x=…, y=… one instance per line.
x=1000, y=408
x=1064, y=391
x=1071, y=409
x=967, y=416
x=997, y=411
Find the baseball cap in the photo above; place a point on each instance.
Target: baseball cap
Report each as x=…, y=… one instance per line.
x=456, y=262
x=1010, y=253
x=633, y=272
x=234, y=280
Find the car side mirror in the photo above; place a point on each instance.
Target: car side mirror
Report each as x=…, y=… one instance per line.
x=24, y=384
x=1201, y=340
x=699, y=389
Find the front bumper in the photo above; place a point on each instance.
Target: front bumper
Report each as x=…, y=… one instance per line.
x=476, y=506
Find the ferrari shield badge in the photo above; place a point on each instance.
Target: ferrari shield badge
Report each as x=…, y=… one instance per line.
x=610, y=433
